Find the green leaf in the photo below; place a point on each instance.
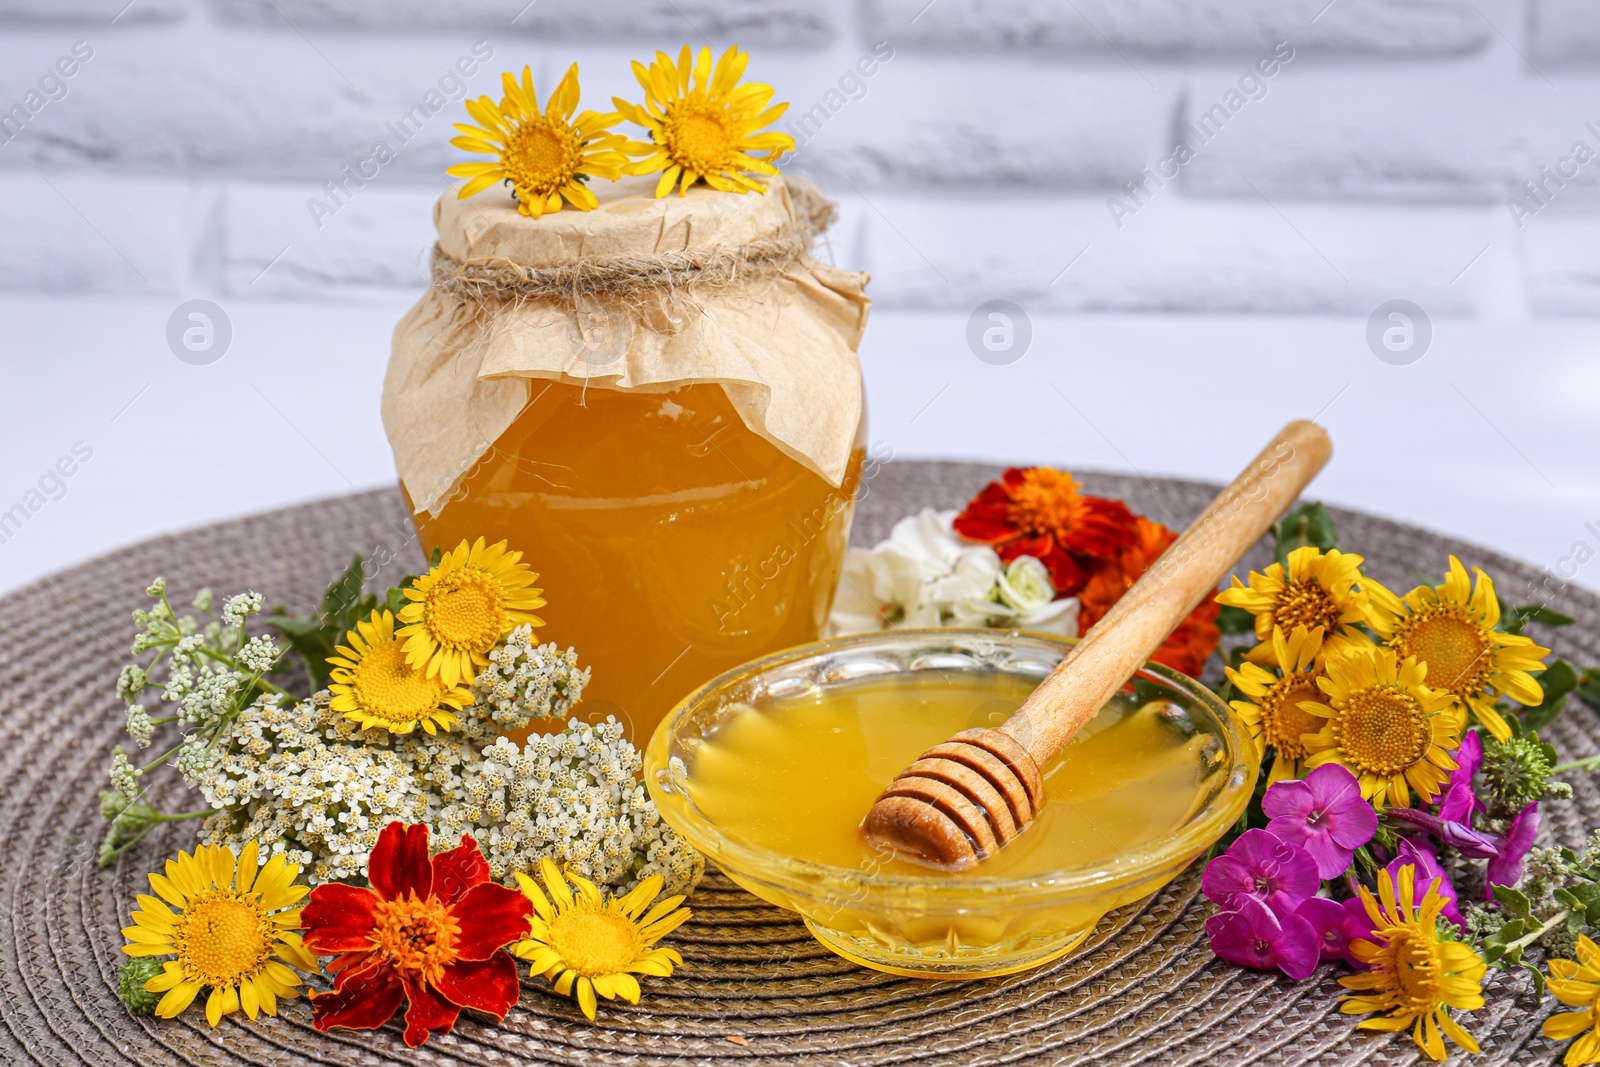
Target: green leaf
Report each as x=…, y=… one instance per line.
x=313, y=638
x=1558, y=680
x=1538, y=981
x=1546, y=616
x=1232, y=620
x=1310, y=525
x=1514, y=901
x=345, y=591
x=1588, y=688
x=1512, y=620
x=294, y=624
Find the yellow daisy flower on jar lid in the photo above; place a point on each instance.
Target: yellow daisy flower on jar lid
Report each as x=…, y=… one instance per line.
x=1451, y=628
x=461, y=609
x=1380, y=720
x=228, y=926
x=1317, y=590
x=592, y=945
x=1272, y=714
x=374, y=685
x=1416, y=977
x=707, y=130
x=547, y=155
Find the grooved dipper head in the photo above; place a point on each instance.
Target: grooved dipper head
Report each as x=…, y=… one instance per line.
x=960, y=802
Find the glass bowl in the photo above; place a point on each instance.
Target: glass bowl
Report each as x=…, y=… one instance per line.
x=933, y=925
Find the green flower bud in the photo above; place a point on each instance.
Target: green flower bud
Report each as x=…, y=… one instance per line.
x=1515, y=771
x=130, y=987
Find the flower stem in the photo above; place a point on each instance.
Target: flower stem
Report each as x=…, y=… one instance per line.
x=159, y=760
x=183, y=816
x=1548, y=925
x=1585, y=764
x=229, y=661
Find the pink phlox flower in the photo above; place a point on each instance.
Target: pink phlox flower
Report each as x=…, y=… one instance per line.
x=1253, y=935
x=1261, y=865
x=1324, y=814
x=1336, y=925
x=1506, y=867
x=1473, y=844
x=1460, y=802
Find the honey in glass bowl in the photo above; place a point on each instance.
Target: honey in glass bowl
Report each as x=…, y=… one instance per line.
x=769, y=769
x=672, y=542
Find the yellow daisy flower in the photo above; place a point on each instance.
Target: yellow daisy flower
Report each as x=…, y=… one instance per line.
x=461, y=609
x=545, y=155
x=1577, y=985
x=1273, y=715
x=590, y=945
x=375, y=686
x=1316, y=590
x=1380, y=721
x=1451, y=628
x=1415, y=977
x=706, y=132
x=232, y=935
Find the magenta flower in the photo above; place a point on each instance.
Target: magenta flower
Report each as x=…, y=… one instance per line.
x=1425, y=864
x=1459, y=800
x=1506, y=867
x=1336, y=925
x=1251, y=935
x=1259, y=865
x=1473, y=844
x=1324, y=814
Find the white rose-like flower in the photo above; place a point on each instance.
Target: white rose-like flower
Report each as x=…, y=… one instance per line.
x=881, y=588
x=925, y=575
x=929, y=538
x=1025, y=585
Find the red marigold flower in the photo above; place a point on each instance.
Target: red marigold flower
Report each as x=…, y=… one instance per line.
x=1037, y=511
x=429, y=932
x=1196, y=637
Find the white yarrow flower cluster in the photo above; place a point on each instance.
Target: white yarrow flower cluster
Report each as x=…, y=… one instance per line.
x=924, y=575
x=309, y=783
x=526, y=680
x=303, y=781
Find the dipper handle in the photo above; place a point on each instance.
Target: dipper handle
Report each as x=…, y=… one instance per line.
x=1164, y=595
x=934, y=810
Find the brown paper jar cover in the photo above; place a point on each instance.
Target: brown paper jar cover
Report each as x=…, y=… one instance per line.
x=640, y=294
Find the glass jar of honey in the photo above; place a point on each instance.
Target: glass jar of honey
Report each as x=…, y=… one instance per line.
x=675, y=500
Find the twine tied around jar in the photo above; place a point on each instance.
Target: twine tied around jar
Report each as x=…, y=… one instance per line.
x=630, y=278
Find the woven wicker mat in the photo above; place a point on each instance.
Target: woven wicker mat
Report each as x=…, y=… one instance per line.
x=1144, y=989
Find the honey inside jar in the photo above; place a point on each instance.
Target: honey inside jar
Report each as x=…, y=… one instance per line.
x=797, y=774
x=672, y=542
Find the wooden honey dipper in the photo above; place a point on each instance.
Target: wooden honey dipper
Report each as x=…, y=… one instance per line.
x=962, y=801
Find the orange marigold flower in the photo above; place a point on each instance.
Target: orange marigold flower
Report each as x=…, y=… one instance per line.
x=430, y=932
x=1192, y=643
x=1037, y=511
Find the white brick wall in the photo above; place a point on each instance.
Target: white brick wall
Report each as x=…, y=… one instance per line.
x=786, y=23
x=1564, y=31
x=992, y=142
x=1187, y=27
